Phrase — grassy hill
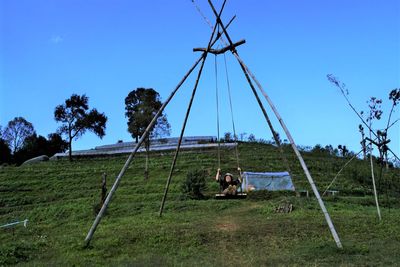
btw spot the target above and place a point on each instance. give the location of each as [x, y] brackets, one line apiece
[59, 197]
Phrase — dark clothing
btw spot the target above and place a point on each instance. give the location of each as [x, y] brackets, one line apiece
[224, 184]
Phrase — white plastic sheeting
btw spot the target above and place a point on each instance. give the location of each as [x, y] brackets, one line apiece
[271, 181]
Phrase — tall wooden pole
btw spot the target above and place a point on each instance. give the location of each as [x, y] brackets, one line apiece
[210, 43]
[180, 141]
[300, 158]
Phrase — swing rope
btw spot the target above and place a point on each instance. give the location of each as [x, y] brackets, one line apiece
[232, 116]
[232, 119]
[217, 102]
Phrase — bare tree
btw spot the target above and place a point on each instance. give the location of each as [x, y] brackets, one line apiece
[16, 132]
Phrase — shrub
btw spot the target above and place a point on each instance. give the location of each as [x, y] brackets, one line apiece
[194, 184]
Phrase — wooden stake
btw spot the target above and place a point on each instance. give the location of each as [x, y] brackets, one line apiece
[103, 188]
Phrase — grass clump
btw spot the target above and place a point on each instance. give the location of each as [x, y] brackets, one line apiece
[195, 184]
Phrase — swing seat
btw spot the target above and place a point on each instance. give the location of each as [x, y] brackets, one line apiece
[237, 196]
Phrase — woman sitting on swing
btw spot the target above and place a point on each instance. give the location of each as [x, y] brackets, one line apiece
[229, 185]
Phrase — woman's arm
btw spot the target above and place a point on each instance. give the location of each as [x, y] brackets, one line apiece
[217, 175]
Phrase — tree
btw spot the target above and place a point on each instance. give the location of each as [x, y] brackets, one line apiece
[141, 105]
[252, 138]
[76, 119]
[343, 150]
[228, 137]
[243, 136]
[5, 152]
[318, 149]
[16, 132]
[55, 144]
[35, 145]
[330, 150]
[363, 141]
[278, 137]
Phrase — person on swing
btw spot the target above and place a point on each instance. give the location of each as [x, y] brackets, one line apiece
[229, 185]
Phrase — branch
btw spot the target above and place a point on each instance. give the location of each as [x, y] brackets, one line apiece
[394, 154]
[340, 85]
[390, 116]
[392, 124]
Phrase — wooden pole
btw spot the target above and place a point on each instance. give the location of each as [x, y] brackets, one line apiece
[210, 43]
[180, 140]
[373, 180]
[340, 171]
[103, 188]
[220, 51]
[300, 158]
[131, 156]
[271, 127]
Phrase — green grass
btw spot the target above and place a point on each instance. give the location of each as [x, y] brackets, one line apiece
[58, 198]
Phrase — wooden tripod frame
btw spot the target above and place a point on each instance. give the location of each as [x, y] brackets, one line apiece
[250, 78]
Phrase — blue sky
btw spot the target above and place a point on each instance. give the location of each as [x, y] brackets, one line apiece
[52, 49]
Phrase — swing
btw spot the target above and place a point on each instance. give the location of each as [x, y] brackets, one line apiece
[231, 189]
[249, 181]
[250, 78]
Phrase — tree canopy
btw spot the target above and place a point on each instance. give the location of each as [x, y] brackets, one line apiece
[76, 119]
[141, 105]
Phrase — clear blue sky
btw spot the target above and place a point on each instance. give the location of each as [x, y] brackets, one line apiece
[52, 49]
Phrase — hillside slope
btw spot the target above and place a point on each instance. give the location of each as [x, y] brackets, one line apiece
[59, 197]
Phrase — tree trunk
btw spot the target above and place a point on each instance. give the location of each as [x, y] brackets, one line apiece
[386, 160]
[363, 144]
[70, 146]
[70, 151]
[146, 166]
[103, 188]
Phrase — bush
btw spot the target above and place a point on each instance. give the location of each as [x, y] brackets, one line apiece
[194, 184]
[5, 152]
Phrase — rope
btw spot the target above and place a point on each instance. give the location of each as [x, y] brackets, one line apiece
[217, 102]
[202, 14]
[231, 108]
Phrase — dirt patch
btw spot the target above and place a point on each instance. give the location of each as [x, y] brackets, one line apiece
[227, 226]
[230, 222]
